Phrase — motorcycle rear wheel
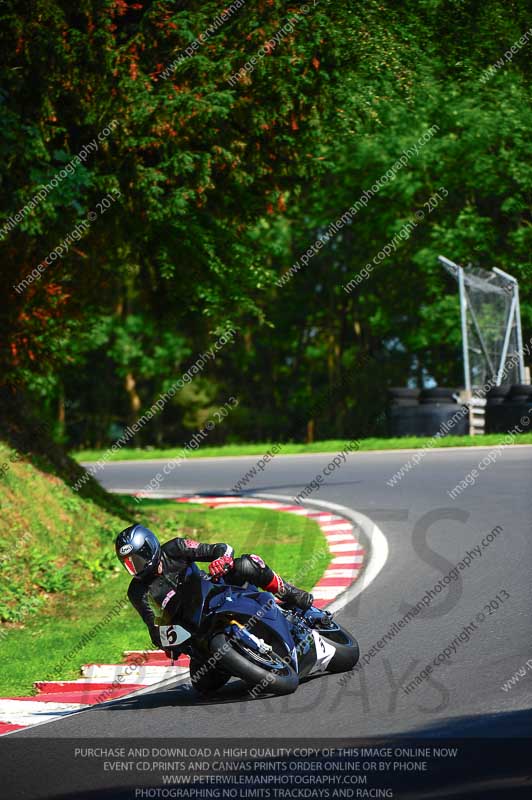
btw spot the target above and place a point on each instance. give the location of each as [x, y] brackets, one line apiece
[346, 647]
[262, 674]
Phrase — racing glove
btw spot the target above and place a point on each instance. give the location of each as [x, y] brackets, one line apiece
[220, 565]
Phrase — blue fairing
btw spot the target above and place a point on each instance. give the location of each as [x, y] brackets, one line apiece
[240, 603]
[202, 589]
[251, 602]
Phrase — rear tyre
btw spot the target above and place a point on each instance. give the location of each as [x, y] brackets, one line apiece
[263, 674]
[205, 679]
[346, 646]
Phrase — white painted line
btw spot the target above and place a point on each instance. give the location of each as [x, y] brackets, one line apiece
[326, 592]
[339, 526]
[168, 495]
[349, 547]
[26, 712]
[355, 559]
[271, 506]
[294, 456]
[341, 573]
[339, 537]
[86, 709]
[82, 683]
[228, 499]
[377, 555]
[141, 674]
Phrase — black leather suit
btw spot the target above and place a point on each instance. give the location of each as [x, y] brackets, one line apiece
[159, 595]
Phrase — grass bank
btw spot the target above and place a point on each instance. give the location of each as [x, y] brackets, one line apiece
[292, 448]
[60, 578]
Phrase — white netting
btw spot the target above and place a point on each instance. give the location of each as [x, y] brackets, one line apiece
[491, 325]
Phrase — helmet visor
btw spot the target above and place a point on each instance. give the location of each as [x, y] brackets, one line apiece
[135, 563]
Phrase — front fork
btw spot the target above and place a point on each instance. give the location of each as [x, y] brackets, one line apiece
[237, 630]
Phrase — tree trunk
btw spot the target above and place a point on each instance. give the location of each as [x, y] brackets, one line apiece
[134, 400]
[61, 412]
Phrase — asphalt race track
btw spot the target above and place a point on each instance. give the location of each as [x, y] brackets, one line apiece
[428, 534]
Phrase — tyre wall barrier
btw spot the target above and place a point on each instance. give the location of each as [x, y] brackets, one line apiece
[401, 396]
[428, 420]
[508, 416]
[440, 394]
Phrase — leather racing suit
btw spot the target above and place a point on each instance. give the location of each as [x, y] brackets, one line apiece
[160, 594]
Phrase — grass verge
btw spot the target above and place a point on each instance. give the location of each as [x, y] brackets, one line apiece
[292, 448]
[60, 577]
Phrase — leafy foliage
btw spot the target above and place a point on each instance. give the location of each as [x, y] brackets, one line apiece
[224, 185]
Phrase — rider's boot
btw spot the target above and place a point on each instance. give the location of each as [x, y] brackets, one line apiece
[289, 594]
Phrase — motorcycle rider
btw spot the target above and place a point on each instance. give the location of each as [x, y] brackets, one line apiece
[156, 586]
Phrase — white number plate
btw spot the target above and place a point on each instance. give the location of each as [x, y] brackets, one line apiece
[324, 653]
[172, 635]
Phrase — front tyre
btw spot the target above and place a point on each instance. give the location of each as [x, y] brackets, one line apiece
[206, 679]
[263, 673]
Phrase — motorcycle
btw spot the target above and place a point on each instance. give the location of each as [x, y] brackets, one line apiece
[231, 631]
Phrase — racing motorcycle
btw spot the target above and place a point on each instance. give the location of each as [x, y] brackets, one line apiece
[231, 631]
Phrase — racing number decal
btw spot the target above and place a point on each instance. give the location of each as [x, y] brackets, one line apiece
[324, 652]
[173, 634]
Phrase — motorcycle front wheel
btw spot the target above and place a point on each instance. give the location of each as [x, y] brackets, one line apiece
[206, 679]
[263, 673]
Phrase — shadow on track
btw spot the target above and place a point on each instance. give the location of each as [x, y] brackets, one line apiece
[184, 695]
[486, 763]
[499, 725]
[255, 489]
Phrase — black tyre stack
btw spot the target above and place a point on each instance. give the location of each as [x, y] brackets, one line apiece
[509, 408]
[401, 396]
[426, 413]
[440, 395]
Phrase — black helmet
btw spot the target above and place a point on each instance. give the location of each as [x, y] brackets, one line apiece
[139, 550]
